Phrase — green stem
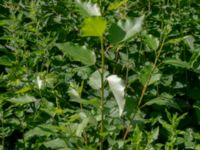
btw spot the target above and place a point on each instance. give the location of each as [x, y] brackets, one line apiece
[102, 91]
[2, 125]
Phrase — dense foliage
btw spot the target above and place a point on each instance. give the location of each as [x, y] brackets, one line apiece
[99, 74]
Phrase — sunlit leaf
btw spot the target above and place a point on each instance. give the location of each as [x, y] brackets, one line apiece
[93, 26]
[117, 4]
[117, 87]
[78, 53]
[137, 135]
[39, 82]
[88, 9]
[23, 90]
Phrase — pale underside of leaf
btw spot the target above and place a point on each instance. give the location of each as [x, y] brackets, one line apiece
[117, 87]
[88, 9]
[123, 31]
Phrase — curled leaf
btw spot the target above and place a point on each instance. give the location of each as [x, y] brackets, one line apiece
[88, 9]
[117, 87]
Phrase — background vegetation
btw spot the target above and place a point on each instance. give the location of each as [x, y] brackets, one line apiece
[99, 74]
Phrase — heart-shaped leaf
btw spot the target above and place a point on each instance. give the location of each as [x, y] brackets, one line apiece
[93, 26]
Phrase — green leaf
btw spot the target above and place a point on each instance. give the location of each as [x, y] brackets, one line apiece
[78, 53]
[137, 136]
[88, 9]
[146, 72]
[125, 30]
[151, 41]
[95, 79]
[41, 130]
[131, 27]
[116, 34]
[6, 61]
[130, 106]
[177, 63]
[55, 144]
[82, 126]
[117, 87]
[93, 26]
[23, 99]
[23, 90]
[163, 100]
[117, 4]
[189, 40]
[174, 40]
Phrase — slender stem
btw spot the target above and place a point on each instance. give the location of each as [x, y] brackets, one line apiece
[3, 137]
[149, 6]
[102, 91]
[150, 74]
[146, 84]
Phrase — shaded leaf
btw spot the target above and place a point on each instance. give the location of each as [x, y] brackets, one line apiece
[163, 100]
[23, 99]
[93, 26]
[41, 130]
[116, 34]
[146, 72]
[78, 53]
[177, 63]
[6, 61]
[125, 30]
[189, 40]
[151, 42]
[55, 144]
[117, 87]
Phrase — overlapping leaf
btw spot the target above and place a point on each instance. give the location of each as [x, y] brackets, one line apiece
[78, 53]
[125, 30]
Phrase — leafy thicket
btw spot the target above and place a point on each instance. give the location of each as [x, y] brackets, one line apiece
[99, 74]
